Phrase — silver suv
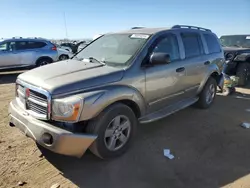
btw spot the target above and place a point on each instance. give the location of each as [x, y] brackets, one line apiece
[119, 80]
[26, 52]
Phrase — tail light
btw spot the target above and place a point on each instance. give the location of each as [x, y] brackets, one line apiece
[54, 48]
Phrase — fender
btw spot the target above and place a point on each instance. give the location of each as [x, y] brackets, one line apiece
[96, 101]
[214, 71]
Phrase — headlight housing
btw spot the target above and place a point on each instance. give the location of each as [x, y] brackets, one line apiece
[67, 109]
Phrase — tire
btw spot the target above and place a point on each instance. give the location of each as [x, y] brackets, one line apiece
[243, 73]
[106, 120]
[63, 57]
[43, 61]
[207, 95]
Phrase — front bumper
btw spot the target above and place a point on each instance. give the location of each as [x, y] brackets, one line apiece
[63, 141]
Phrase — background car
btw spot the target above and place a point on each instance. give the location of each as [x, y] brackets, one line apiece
[237, 53]
[63, 53]
[65, 48]
[26, 52]
[74, 46]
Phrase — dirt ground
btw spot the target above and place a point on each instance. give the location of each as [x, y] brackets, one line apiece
[211, 149]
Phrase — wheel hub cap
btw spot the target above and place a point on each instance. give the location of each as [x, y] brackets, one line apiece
[117, 133]
[210, 94]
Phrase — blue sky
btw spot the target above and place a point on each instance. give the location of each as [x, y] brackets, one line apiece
[85, 18]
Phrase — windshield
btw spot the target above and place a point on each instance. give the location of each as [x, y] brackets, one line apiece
[238, 41]
[114, 49]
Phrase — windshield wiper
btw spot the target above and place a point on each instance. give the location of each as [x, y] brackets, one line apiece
[91, 59]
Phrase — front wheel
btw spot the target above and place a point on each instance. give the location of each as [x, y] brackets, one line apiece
[208, 94]
[115, 129]
[43, 61]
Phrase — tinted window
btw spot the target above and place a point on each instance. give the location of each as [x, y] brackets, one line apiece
[20, 45]
[32, 45]
[192, 44]
[212, 43]
[168, 45]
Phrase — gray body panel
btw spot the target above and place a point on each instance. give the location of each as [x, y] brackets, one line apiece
[155, 91]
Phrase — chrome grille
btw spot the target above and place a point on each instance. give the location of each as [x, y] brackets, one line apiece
[34, 102]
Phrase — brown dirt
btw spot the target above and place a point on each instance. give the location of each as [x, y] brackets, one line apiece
[210, 148]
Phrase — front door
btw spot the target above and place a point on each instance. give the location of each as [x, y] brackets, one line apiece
[8, 57]
[164, 83]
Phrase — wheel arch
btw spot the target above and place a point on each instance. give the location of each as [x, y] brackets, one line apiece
[95, 102]
[214, 74]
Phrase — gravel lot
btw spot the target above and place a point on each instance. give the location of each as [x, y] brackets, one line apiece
[210, 149]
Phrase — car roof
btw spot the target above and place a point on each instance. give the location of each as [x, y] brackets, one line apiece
[151, 31]
[26, 39]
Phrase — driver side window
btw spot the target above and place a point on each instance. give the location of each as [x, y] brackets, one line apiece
[169, 45]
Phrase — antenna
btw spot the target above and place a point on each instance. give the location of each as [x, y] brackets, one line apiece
[65, 25]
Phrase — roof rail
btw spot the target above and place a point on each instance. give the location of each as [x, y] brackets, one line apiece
[137, 27]
[190, 27]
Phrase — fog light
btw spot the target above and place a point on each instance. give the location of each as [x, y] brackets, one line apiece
[47, 138]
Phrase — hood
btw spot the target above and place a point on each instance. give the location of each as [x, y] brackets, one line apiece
[71, 75]
[235, 49]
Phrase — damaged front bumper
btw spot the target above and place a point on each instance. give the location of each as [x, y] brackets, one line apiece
[51, 137]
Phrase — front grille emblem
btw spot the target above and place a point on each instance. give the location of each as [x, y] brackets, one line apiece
[27, 92]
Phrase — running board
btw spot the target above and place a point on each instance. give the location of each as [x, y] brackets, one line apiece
[167, 111]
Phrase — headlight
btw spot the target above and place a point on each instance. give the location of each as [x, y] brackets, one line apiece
[67, 109]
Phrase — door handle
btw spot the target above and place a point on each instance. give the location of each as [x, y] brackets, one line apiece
[207, 63]
[181, 69]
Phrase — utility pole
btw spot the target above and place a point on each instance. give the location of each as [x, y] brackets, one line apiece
[65, 25]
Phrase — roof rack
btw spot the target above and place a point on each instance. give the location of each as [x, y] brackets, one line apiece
[190, 27]
[137, 27]
[17, 37]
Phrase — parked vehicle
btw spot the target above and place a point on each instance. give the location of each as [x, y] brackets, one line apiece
[26, 52]
[237, 54]
[97, 99]
[73, 46]
[63, 54]
[65, 48]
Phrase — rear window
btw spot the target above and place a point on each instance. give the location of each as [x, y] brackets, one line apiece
[32, 45]
[192, 44]
[212, 43]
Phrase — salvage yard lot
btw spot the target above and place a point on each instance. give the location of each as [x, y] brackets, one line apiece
[210, 149]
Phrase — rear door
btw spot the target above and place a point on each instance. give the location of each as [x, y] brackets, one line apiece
[195, 59]
[27, 51]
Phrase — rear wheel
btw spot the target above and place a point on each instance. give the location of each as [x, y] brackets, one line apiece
[63, 57]
[207, 95]
[115, 128]
[243, 73]
[43, 61]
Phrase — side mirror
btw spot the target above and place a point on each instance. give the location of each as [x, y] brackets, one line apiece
[159, 59]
